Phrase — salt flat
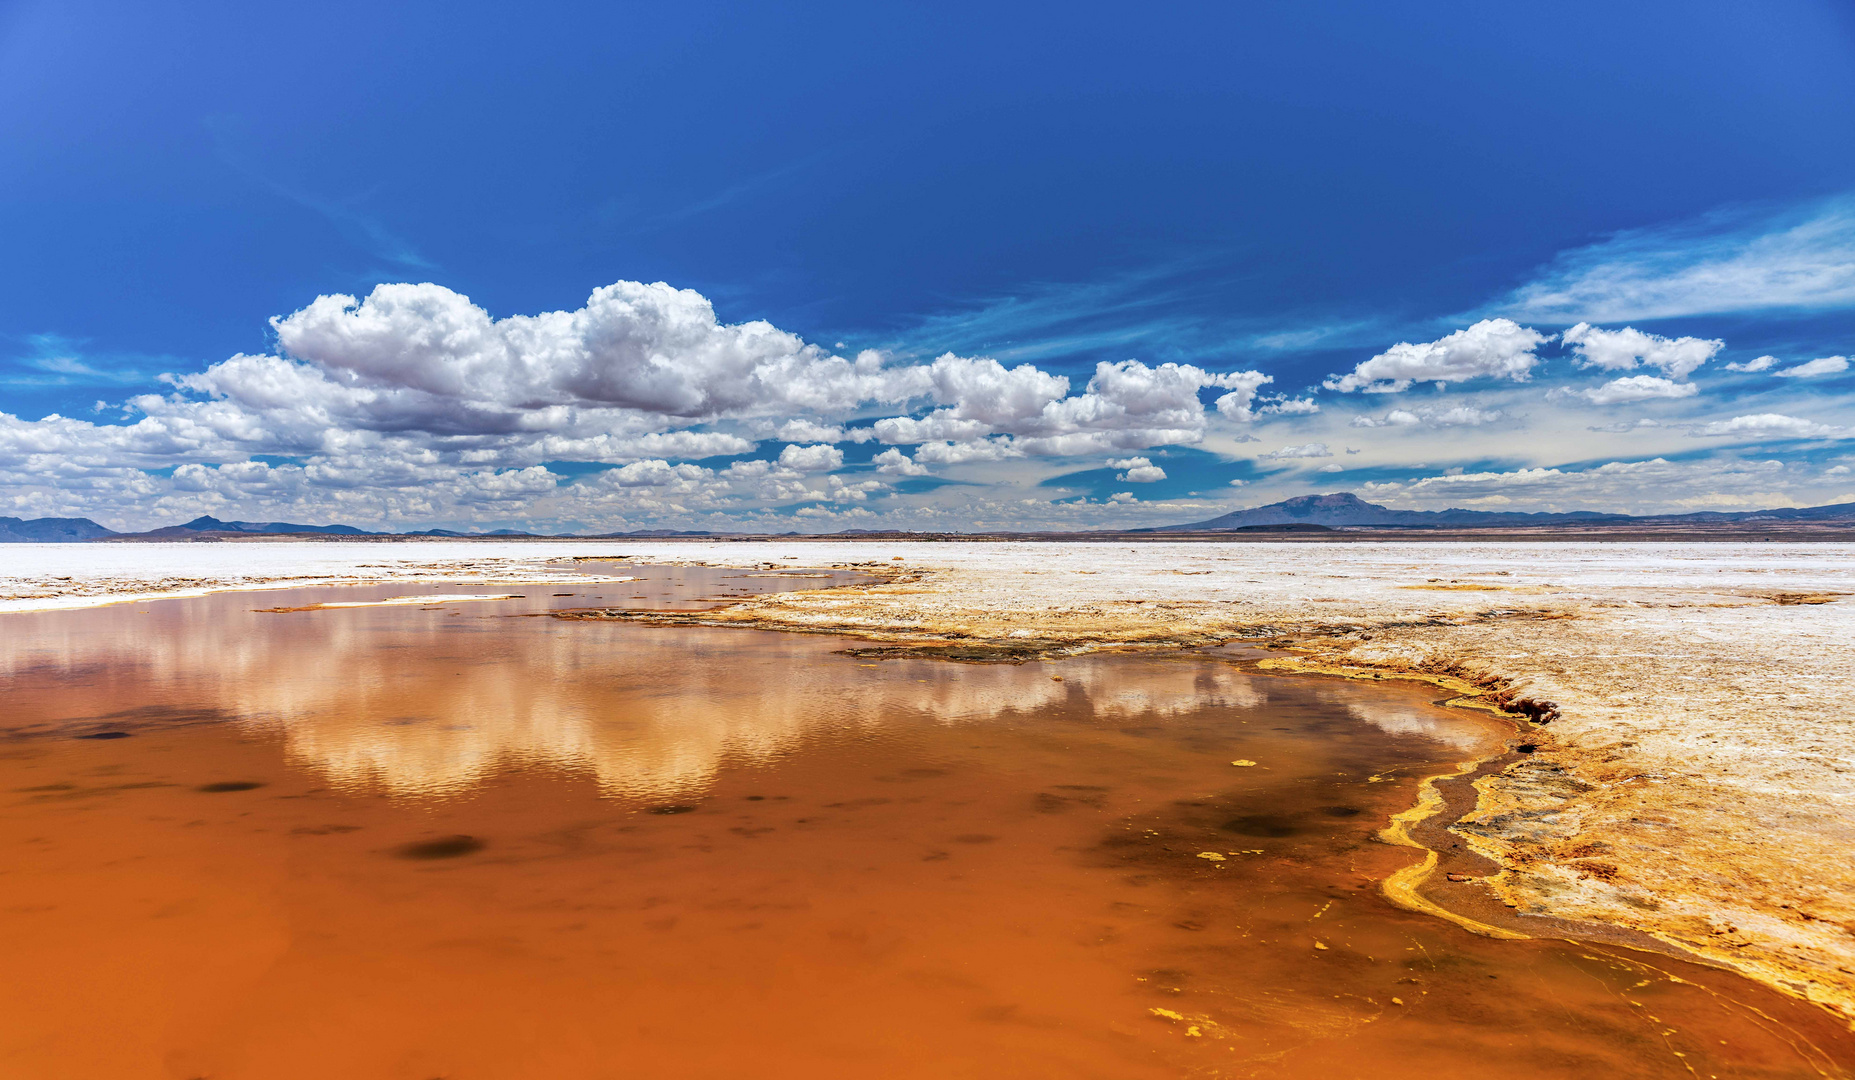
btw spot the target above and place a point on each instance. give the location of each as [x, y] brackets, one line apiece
[1698, 784]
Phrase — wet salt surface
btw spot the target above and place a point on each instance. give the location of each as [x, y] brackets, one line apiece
[454, 841]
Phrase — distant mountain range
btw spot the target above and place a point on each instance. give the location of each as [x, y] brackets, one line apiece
[210, 527]
[1343, 509]
[1304, 513]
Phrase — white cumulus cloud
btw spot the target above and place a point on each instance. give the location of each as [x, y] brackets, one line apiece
[1759, 425]
[653, 474]
[1492, 348]
[414, 404]
[1138, 470]
[1621, 350]
[1289, 407]
[1125, 406]
[820, 458]
[893, 462]
[1637, 388]
[961, 453]
[802, 430]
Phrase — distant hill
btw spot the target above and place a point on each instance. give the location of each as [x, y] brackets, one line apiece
[213, 524]
[50, 530]
[1834, 512]
[1342, 509]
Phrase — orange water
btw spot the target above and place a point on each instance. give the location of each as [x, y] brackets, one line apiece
[456, 842]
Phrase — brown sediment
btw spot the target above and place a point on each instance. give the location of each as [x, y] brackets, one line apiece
[481, 846]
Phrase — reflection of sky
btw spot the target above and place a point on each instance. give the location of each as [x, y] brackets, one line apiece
[1403, 718]
[429, 703]
[652, 719]
[432, 703]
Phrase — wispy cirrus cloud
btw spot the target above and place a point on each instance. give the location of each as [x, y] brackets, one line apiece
[364, 231]
[745, 190]
[1155, 311]
[1045, 319]
[1727, 261]
[56, 360]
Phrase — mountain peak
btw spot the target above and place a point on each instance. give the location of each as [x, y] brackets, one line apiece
[1333, 502]
[1332, 509]
[206, 523]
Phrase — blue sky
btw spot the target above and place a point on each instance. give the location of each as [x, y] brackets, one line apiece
[837, 195]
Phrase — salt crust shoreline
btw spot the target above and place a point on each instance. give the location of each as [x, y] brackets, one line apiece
[1698, 784]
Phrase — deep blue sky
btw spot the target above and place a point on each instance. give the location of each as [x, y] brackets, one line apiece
[1059, 183]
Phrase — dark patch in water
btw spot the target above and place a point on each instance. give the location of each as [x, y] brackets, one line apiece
[229, 785]
[855, 804]
[445, 847]
[1341, 811]
[679, 809]
[1261, 825]
[112, 725]
[975, 838]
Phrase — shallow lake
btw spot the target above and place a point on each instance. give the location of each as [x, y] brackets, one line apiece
[453, 837]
